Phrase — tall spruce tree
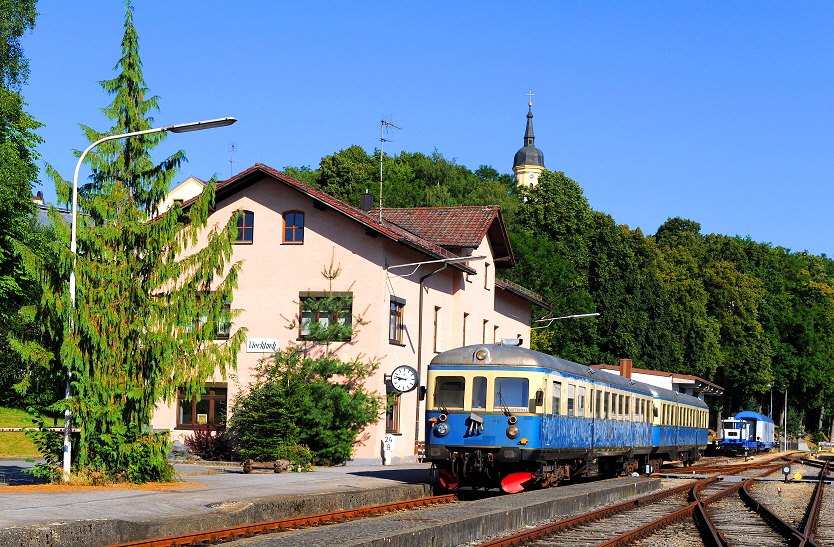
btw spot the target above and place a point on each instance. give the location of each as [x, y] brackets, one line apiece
[150, 298]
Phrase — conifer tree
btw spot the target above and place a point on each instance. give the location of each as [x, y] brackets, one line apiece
[150, 300]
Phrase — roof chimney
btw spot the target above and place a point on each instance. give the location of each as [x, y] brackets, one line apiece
[625, 368]
[367, 201]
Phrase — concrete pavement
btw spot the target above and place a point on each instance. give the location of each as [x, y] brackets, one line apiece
[208, 497]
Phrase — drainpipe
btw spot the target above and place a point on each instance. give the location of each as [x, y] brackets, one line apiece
[420, 350]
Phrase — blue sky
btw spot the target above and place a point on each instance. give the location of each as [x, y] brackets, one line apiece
[720, 112]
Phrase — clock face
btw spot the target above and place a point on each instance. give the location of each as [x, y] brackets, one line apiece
[532, 176]
[404, 378]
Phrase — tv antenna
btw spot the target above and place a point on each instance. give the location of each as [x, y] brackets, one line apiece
[232, 148]
[384, 125]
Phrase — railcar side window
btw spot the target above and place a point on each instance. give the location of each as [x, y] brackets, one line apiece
[512, 392]
[627, 407]
[599, 405]
[479, 387]
[620, 407]
[605, 406]
[557, 397]
[448, 391]
[571, 398]
[580, 402]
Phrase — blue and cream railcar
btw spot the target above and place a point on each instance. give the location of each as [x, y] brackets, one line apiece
[747, 432]
[512, 417]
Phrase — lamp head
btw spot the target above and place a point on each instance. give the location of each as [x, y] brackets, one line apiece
[196, 126]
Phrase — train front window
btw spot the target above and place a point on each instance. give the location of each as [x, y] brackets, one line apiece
[512, 392]
[479, 387]
[448, 392]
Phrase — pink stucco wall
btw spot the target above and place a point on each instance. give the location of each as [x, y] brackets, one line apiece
[273, 274]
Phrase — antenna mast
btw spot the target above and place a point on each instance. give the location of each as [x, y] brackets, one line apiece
[232, 148]
[382, 140]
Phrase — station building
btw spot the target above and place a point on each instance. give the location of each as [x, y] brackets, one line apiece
[289, 232]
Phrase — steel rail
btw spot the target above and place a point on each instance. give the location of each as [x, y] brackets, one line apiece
[692, 509]
[809, 523]
[521, 538]
[247, 530]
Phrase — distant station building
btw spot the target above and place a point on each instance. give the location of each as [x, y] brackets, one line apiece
[528, 163]
[682, 383]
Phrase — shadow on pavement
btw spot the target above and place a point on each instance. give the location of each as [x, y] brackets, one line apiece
[12, 473]
[410, 476]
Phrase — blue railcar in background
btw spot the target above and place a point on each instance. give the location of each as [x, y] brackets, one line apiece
[747, 432]
[509, 417]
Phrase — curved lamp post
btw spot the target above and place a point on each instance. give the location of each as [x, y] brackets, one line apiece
[177, 128]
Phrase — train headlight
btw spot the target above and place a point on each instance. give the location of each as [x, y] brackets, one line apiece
[442, 417]
[441, 429]
[512, 431]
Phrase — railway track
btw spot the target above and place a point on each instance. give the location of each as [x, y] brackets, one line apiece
[212, 537]
[663, 519]
[715, 513]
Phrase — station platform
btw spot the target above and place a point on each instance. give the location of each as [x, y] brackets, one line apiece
[211, 496]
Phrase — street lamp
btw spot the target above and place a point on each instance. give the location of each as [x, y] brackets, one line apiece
[177, 128]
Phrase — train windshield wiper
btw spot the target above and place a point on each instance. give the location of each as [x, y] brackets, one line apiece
[504, 405]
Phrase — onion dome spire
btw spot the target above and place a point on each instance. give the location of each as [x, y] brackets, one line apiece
[529, 154]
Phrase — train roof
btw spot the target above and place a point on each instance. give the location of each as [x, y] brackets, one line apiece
[754, 415]
[499, 355]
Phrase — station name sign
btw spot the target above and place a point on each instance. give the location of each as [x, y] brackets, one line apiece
[262, 345]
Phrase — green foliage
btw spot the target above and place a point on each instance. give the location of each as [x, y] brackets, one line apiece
[301, 400]
[127, 454]
[299, 455]
[18, 176]
[795, 427]
[133, 338]
[18, 17]
[50, 447]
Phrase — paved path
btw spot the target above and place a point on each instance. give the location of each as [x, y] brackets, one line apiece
[204, 489]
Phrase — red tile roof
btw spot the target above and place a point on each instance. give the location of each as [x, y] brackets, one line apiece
[455, 227]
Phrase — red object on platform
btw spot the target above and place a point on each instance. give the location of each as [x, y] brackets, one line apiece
[516, 482]
[448, 480]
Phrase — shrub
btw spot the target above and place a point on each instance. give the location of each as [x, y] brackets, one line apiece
[299, 455]
[212, 444]
[298, 400]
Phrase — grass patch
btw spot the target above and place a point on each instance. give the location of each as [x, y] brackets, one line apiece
[14, 417]
[16, 444]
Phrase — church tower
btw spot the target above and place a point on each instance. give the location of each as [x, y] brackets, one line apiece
[528, 163]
